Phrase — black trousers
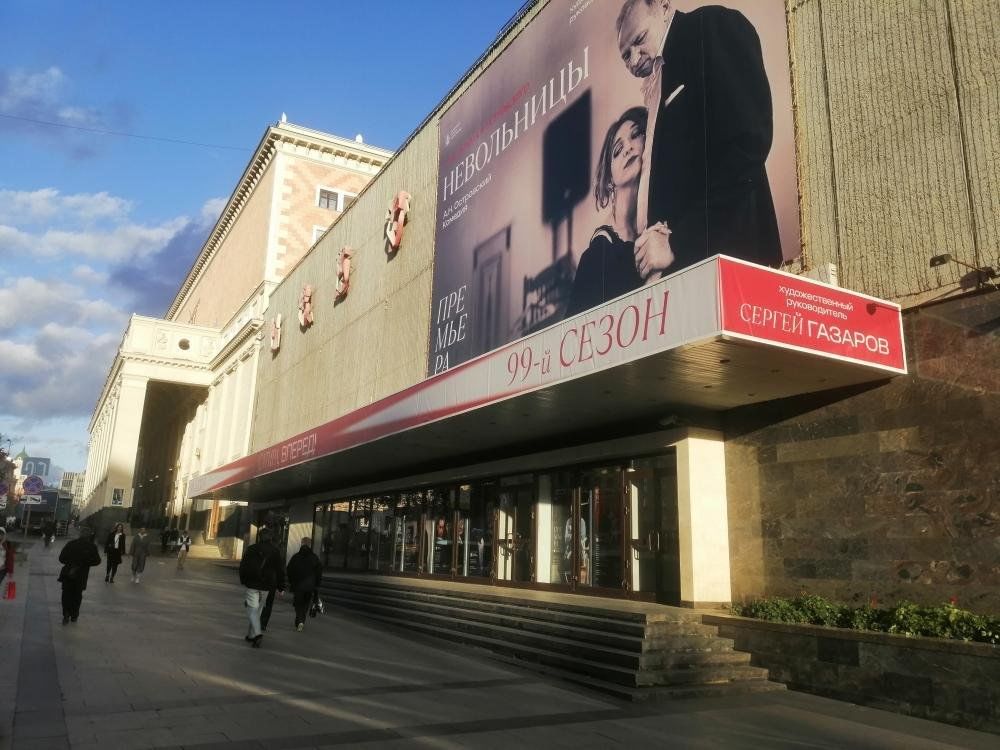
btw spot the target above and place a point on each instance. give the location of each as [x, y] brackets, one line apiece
[72, 597]
[112, 568]
[301, 600]
[265, 615]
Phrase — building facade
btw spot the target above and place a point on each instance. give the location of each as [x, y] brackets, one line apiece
[419, 428]
[179, 395]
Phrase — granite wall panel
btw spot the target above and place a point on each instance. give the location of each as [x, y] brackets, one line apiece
[889, 493]
[933, 678]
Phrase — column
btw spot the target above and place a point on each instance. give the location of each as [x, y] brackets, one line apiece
[703, 521]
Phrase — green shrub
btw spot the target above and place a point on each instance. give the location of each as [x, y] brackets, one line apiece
[944, 621]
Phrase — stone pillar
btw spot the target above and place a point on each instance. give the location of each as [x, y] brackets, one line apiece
[703, 521]
[125, 439]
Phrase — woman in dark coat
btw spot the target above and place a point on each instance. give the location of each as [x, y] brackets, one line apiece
[77, 557]
[608, 266]
[114, 548]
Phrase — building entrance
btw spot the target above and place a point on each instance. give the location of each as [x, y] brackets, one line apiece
[610, 528]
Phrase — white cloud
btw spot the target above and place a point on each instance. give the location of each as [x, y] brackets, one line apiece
[13, 241]
[39, 95]
[93, 206]
[90, 276]
[26, 88]
[23, 207]
[20, 359]
[27, 302]
[60, 374]
[211, 210]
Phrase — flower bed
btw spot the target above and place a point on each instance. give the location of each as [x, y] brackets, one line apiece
[944, 621]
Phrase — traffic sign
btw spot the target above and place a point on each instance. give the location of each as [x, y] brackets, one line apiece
[34, 484]
[31, 499]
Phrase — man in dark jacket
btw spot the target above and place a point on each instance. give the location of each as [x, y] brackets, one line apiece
[261, 570]
[704, 188]
[77, 557]
[304, 574]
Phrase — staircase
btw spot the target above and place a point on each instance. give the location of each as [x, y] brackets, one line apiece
[206, 551]
[633, 650]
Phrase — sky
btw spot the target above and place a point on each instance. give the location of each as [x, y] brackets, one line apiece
[96, 226]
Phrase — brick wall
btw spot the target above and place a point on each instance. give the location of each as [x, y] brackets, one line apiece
[299, 212]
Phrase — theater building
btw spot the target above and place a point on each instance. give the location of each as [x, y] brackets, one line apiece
[802, 396]
[179, 396]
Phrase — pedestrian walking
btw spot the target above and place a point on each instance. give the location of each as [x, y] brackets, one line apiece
[260, 571]
[139, 552]
[305, 571]
[114, 548]
[183, 547]
[49, 532]
[77, 557]
[6, 556]
[265, 613]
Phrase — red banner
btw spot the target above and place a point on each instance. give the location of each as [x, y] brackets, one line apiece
[797, 312]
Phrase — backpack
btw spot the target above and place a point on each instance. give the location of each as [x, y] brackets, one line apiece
[252, 566]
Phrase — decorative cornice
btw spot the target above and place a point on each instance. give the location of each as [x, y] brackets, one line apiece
[247, 331]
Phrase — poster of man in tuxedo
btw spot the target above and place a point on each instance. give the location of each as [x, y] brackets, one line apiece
[609, 145]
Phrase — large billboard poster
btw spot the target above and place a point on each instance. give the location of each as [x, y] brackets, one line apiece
[612, 143]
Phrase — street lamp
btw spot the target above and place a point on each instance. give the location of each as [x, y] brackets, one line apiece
[984, 274]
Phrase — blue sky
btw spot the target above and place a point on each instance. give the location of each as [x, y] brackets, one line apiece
[94, 227]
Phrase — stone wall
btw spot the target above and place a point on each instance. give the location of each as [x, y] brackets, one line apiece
[888, 492]
[897, 130]
[933, 678]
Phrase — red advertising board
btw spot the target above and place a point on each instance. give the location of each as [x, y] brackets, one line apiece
[796, 312]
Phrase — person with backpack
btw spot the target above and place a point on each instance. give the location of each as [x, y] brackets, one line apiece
[261, 570]
[304, 574]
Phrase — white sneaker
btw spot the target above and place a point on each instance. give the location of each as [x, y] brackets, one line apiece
[299, 627]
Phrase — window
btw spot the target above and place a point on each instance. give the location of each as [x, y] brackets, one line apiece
[328, 199]
[333, 200]
[317, 233]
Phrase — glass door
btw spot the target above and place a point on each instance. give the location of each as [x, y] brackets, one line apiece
[408, 522]
[587, 528]
[601, 523]
[654, 548]
[515, 522]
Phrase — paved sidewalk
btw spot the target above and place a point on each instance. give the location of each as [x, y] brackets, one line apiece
[163, 664]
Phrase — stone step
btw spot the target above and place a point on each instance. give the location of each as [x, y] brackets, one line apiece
[576, 664]
[443, 623]
[649, 695]
[707, 674]
[204, 552]
[573, 662]
[681, 637]
[605, 620]
[479, 594]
